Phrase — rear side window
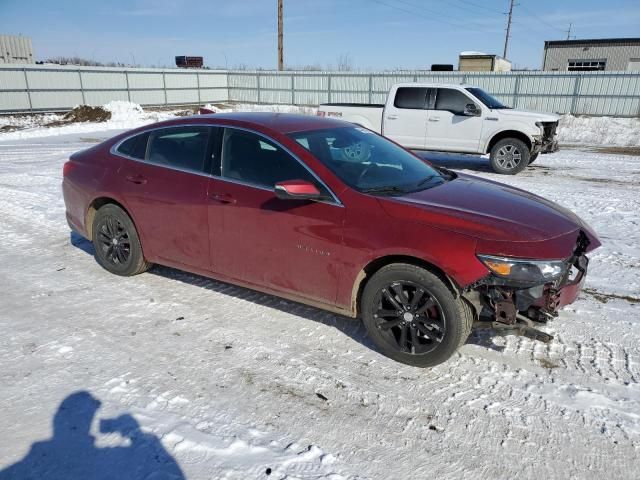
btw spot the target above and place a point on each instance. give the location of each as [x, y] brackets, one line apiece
[179, 147]
[451, 100]
[411, 97]
[135, 147]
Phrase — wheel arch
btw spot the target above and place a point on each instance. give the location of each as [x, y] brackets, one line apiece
[378, 263]
[94, 206]
[509, 134]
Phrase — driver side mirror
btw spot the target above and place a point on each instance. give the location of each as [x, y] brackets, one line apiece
[297, 190]
[471, 110]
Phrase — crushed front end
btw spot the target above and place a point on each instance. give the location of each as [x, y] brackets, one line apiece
[520, 294]
[547, 141]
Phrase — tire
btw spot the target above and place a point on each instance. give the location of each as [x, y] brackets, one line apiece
[509, 156]
[435, 324]
[116, 242]
[532, 158]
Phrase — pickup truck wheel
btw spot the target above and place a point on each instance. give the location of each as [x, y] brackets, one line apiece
[509, 156]
[413, 317]
[533, 157]
[116, 242]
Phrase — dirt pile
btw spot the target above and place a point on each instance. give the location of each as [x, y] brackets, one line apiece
[82, 113]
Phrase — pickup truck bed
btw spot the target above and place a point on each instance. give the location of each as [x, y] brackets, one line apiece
[368, 115]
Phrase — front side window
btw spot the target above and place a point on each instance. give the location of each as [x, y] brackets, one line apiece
[253, 159]
[134, 147]
[369, 162]
[451, 100]
[179, 147]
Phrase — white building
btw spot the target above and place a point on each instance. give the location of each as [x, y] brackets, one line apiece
[15, 49]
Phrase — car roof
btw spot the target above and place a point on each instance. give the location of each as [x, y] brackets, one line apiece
[280, 122]
[435, 85]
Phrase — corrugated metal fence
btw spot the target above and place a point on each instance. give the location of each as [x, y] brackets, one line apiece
[39, 88]
[52, 88]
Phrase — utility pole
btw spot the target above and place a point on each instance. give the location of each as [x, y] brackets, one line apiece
[280, 38]
[569, 33]
[506, 38]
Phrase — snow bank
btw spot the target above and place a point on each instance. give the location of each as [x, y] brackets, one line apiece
[247, 107]
[124, 116]
[622, 132]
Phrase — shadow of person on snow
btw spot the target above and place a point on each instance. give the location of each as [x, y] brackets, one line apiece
[71, 453]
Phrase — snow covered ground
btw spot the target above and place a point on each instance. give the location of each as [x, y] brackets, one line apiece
[230, 383]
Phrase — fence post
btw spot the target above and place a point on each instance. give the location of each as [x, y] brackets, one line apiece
[576, 91]
[126, 78]
[26, 83]
[516, 91]
[258, 87]
[164, 88]
[370, 88]
[328, 88]
[198, 84]
[84, 101]
[293, 89]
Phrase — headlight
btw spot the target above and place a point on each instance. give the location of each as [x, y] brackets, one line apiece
[524, 271]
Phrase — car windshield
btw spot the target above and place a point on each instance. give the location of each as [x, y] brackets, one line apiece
[488, 100]
[369, 162]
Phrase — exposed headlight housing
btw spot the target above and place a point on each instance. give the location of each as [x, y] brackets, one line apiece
[524, 271]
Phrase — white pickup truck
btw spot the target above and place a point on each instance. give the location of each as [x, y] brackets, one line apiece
[455, 118]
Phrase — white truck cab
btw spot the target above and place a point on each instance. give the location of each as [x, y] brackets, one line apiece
[455, 118]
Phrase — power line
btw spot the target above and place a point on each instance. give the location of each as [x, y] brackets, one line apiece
[541, 20]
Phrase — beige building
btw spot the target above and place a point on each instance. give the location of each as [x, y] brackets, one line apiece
[15, 49]
[607, 54]
[482, 62]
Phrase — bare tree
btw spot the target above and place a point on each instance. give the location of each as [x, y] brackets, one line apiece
[345, 62]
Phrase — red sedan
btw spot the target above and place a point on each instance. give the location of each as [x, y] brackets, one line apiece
[333, 215]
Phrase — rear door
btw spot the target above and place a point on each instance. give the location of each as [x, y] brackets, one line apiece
[448, 128]
[164, 184]
[405, 120]
[288, 245]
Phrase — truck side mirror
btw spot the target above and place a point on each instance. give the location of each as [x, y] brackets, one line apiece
[471, 110]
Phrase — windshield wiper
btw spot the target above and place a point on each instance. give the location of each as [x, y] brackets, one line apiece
[427, 179]
[383, 190]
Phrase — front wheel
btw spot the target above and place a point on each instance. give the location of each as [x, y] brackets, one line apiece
[413, 317]
[509, 156]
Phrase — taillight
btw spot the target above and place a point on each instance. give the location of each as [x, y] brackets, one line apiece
[66, 169]
[321, 114]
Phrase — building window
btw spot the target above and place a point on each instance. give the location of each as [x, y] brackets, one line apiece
[586, 65]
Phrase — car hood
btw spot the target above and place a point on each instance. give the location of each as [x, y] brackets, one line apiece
[537, 116]
[485, 210]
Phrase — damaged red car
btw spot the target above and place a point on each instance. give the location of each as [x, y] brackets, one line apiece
[330, 214]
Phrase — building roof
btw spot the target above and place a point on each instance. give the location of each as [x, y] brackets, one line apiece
[590, 41]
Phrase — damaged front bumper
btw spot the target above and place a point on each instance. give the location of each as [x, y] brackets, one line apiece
[547, 142]
[515, 309]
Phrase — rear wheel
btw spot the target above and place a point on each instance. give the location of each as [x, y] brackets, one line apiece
[509, 156]
[413, 317]
[116, 242]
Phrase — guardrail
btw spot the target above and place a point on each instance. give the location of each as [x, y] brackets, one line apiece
[26, 88]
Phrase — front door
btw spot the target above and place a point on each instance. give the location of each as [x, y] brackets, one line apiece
[165, 189]
[288, 245]
[448, 129]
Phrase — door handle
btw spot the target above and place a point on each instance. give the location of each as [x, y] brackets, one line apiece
[137, 179]
[392, 117]
[434, 119]
[224, 198]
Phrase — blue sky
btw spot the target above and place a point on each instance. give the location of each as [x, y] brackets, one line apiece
[376, 34]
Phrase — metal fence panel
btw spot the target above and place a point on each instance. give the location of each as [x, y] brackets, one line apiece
[47, 87]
